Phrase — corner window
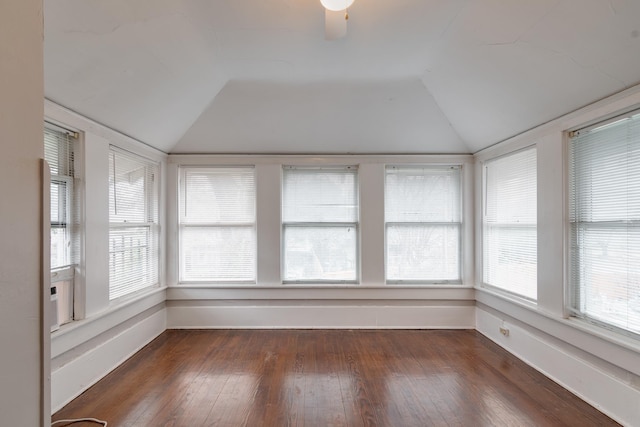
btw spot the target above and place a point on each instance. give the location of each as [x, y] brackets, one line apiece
[133, 223]
[509, 226]
[422, 224]
[320, 225]
[217, 224]
[604, 215]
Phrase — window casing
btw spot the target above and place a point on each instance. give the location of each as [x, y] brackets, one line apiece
[320, 224]
[423, 223]
[133, 223]
[217, 224]
[509, 227]
[604, 223]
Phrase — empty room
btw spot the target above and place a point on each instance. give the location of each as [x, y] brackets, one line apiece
[320, 213]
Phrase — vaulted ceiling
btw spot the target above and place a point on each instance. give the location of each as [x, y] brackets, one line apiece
[411, 76]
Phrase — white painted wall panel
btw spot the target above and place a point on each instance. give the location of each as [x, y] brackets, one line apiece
[24, 398]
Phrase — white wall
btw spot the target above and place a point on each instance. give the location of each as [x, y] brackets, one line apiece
[24, 400]
[601, 366]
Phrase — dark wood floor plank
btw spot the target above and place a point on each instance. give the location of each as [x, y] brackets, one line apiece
[313, 378]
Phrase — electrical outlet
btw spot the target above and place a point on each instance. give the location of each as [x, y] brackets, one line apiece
[504, 331]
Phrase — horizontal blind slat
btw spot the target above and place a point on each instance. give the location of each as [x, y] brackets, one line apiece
[509, 223]
[604, 210]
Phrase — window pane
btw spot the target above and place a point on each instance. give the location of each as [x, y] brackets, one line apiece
[609, 272]
[218, 195]
[423, 252]
[320, 253]
[510, 259]
[127, 189]
[218, 205]
[419, 201]
[509, 223]
[429, 194]
[59, 247]
[131, 261]
[218, 253]
[64, 207]
[313, 195]
[133, 217]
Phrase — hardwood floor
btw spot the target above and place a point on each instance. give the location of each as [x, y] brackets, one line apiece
[328, 378]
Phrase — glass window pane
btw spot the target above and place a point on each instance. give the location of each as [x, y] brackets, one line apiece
[423, 252]
[218, 253]
[320, 195]
[509, 228]
[320, 253]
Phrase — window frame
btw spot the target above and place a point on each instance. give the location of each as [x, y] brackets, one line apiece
[151, 225]
[320, 225]
[484, 226]
[181, 225]
[574, 288]
[63, 275]
[459, 224]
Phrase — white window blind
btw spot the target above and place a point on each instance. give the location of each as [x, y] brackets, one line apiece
[59, 153]
[604, 209]
[422, 224]
[133, 223]
[509, 228]
[320, 224]
[217, 224]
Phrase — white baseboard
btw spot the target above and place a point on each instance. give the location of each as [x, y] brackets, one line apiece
[73, 378]
[320, 316]
[609, 394]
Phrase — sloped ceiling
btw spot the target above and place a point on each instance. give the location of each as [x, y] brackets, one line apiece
[411, 76]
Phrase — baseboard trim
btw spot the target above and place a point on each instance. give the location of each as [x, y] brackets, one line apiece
[321, 316]
[73, 378]
[609, 394]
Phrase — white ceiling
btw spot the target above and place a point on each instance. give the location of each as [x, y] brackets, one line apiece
[411, 76]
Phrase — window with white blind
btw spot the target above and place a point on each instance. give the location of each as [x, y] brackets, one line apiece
[509, 228]
[133, 223]
[217, 224]
[320, 225]
[423, 224]
[604, 215]
[59, 152]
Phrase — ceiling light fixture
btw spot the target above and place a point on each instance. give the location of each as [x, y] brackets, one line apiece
[336, 5]
[335, 18]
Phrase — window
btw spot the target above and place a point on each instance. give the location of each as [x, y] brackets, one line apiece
[59, 152]
[133, 223]
[422, 224]
[217, 224]
[604, 214]
[320, 224]
[509, 228]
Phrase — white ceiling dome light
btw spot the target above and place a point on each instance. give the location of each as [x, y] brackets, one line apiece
[335, 18]
[336, 5]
